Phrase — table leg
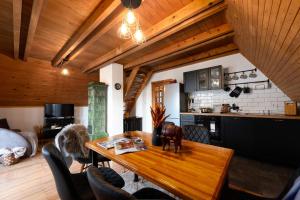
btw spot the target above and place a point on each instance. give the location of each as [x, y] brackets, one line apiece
[136, 178]
[95, 158]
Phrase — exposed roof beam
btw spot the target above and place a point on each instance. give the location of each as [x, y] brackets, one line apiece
[102, 11]
[197, 41]
[17, 12]
[175, 22]
[210, 54]
[130, 79]
[34, 18]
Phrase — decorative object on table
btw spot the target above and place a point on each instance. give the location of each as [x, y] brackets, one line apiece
[172, 133]
[127, 134]
[158, 118]
[236, 92]
[290, 108]
[118, 86]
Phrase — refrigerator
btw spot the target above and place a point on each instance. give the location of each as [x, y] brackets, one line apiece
[175, 101]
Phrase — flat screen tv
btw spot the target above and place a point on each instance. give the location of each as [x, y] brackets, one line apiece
[59, 110]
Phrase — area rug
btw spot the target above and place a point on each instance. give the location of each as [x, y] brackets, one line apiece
[131, 186]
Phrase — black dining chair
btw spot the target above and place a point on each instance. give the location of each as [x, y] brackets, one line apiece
[196, 133]
[75, 186]
[288, 193]
[87, 161]
[103, 190]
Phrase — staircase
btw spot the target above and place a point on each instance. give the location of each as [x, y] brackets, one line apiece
[135, 83]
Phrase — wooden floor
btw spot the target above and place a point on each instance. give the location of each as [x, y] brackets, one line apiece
[31, 179]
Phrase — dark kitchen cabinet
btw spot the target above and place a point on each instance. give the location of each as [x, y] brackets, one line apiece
[203, 79]
[272, 140]
[190, 81]
[215, 78]
[237, 133]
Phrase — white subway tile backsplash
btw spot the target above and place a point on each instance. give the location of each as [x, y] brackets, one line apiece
[258, 101]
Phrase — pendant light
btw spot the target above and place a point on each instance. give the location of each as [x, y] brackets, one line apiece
[130, 27]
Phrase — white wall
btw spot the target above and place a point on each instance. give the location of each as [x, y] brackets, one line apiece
[26, 118]
[111, 75]
[270, 99]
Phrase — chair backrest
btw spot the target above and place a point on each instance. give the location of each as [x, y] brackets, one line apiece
[61, 173]
[196, 133]
[104, 190]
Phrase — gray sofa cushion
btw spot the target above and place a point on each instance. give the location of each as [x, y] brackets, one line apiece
[10, 139]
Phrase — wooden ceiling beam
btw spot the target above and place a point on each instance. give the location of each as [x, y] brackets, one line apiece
[102, 11]
[130, 79]
[17, 13]
[202, 39]
[190, 14]
[207, 55]
[34, 18]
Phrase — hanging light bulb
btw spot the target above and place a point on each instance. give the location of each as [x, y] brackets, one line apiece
[138, 36]
[65, 72]
[130, 18]
[124, 31]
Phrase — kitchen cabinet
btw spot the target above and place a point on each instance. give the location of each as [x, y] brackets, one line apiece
[272, 140]
[215, 78]
[190, 81]
[203, 79]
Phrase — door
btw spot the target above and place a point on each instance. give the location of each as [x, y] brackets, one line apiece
[202, 81]
[172, 102]
[190, 81]
[216, 78]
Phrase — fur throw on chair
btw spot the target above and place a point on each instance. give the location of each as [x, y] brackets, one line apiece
[70, 141]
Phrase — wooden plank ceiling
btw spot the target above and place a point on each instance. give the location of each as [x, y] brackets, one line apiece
[82, 34]
[267, 33]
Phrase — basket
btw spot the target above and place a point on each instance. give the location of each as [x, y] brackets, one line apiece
[8, 159]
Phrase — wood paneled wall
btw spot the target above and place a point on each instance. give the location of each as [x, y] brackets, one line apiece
[36, 82]
[267, 33]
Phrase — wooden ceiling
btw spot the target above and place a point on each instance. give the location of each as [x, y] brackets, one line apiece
[82, 34]
[267, 33]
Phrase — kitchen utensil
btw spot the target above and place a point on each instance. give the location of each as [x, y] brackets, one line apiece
[236, 92]
[227, 88]
[225, 108]
[253, 74]
[246, 90]
[290, 108]
[227, 77]
[243, 76]
[235, 77]
[206, 110]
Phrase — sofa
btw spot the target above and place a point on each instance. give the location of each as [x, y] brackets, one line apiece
[16, 138]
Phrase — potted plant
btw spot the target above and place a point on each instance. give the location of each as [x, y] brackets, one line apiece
[158, 118]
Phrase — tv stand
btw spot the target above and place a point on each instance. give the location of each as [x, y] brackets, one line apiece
[53, 125]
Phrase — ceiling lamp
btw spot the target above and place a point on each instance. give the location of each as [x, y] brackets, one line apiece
[130, 27]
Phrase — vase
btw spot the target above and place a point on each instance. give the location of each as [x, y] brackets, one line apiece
[156, 140]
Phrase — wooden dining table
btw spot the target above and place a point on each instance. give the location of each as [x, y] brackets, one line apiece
[197, 171]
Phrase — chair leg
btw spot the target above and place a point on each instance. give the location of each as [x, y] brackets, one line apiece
[108, 164]
[82, 168]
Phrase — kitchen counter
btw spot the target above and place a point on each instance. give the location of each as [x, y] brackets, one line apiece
[249, 115]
